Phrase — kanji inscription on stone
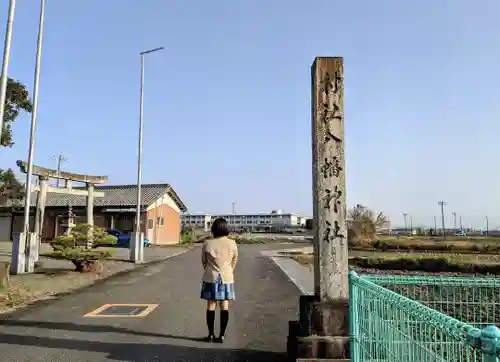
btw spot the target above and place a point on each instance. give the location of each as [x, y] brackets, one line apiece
[333, 196]
[331, 167]
[332, 232]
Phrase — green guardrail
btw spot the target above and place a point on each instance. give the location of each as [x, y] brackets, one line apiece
[417, 319]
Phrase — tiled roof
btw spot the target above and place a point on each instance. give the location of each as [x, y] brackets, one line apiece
[114, 196]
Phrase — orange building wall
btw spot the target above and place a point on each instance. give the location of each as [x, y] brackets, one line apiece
[169, 232]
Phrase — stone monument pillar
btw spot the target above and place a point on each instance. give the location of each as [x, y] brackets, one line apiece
[329, 182]
[71, 220]
[322, 330]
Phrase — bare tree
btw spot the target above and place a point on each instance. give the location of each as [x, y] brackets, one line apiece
[364, 223]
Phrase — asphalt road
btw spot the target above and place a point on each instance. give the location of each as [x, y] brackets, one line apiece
[59, 332]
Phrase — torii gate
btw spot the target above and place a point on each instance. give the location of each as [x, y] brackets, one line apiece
[23, 259]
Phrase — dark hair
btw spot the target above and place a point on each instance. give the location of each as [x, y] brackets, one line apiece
[219, 228]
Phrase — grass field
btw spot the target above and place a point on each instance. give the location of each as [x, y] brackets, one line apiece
[450, 244]
[457, 255]
[429, 260]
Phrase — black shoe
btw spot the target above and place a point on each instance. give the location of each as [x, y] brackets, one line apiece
[219, 339]
[209, 338]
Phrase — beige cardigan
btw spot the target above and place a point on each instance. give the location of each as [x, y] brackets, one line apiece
[219, 256]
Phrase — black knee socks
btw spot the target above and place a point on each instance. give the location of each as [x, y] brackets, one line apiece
[210, 321]
[224, 319]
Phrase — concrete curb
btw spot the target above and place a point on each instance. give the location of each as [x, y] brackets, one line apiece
[295, 272]
[16, 313]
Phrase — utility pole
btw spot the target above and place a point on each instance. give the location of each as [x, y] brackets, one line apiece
[461, 228]
[405, 215]
[60, 159]
[442, 204]
[454, 220]
[487, 226]
[234, 209]
[411, 225]
[435, 224]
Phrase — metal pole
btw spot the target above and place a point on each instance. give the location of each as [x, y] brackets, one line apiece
[140, 146]
[454, 220]
[487, 226]
[461, 227]
[6, 57]
[234, 210]
[406, 224]
[31, 152]
[411, 225]
[435, 224]
[139, 151]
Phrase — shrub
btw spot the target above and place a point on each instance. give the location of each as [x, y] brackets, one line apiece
[244, 240]
[78, 247]
[188, 236]
[105, 241]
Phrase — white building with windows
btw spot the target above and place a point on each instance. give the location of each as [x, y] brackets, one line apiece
[273, 221]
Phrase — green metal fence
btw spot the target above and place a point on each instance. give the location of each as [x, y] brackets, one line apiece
[415, 319]
[469, 299]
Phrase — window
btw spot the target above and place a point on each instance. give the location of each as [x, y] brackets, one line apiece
[150, 223]
[159, 221]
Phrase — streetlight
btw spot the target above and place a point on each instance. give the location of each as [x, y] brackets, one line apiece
[136, 254]
[6, 57]
[31, 253]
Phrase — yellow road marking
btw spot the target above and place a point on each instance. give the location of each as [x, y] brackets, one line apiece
[148, 308]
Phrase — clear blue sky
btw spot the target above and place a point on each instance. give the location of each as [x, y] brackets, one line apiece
[227, 107]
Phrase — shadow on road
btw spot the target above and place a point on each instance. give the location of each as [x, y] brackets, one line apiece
[89, 328]
[134, 352]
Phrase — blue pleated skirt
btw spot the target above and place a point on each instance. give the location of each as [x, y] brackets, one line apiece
[217, 291]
